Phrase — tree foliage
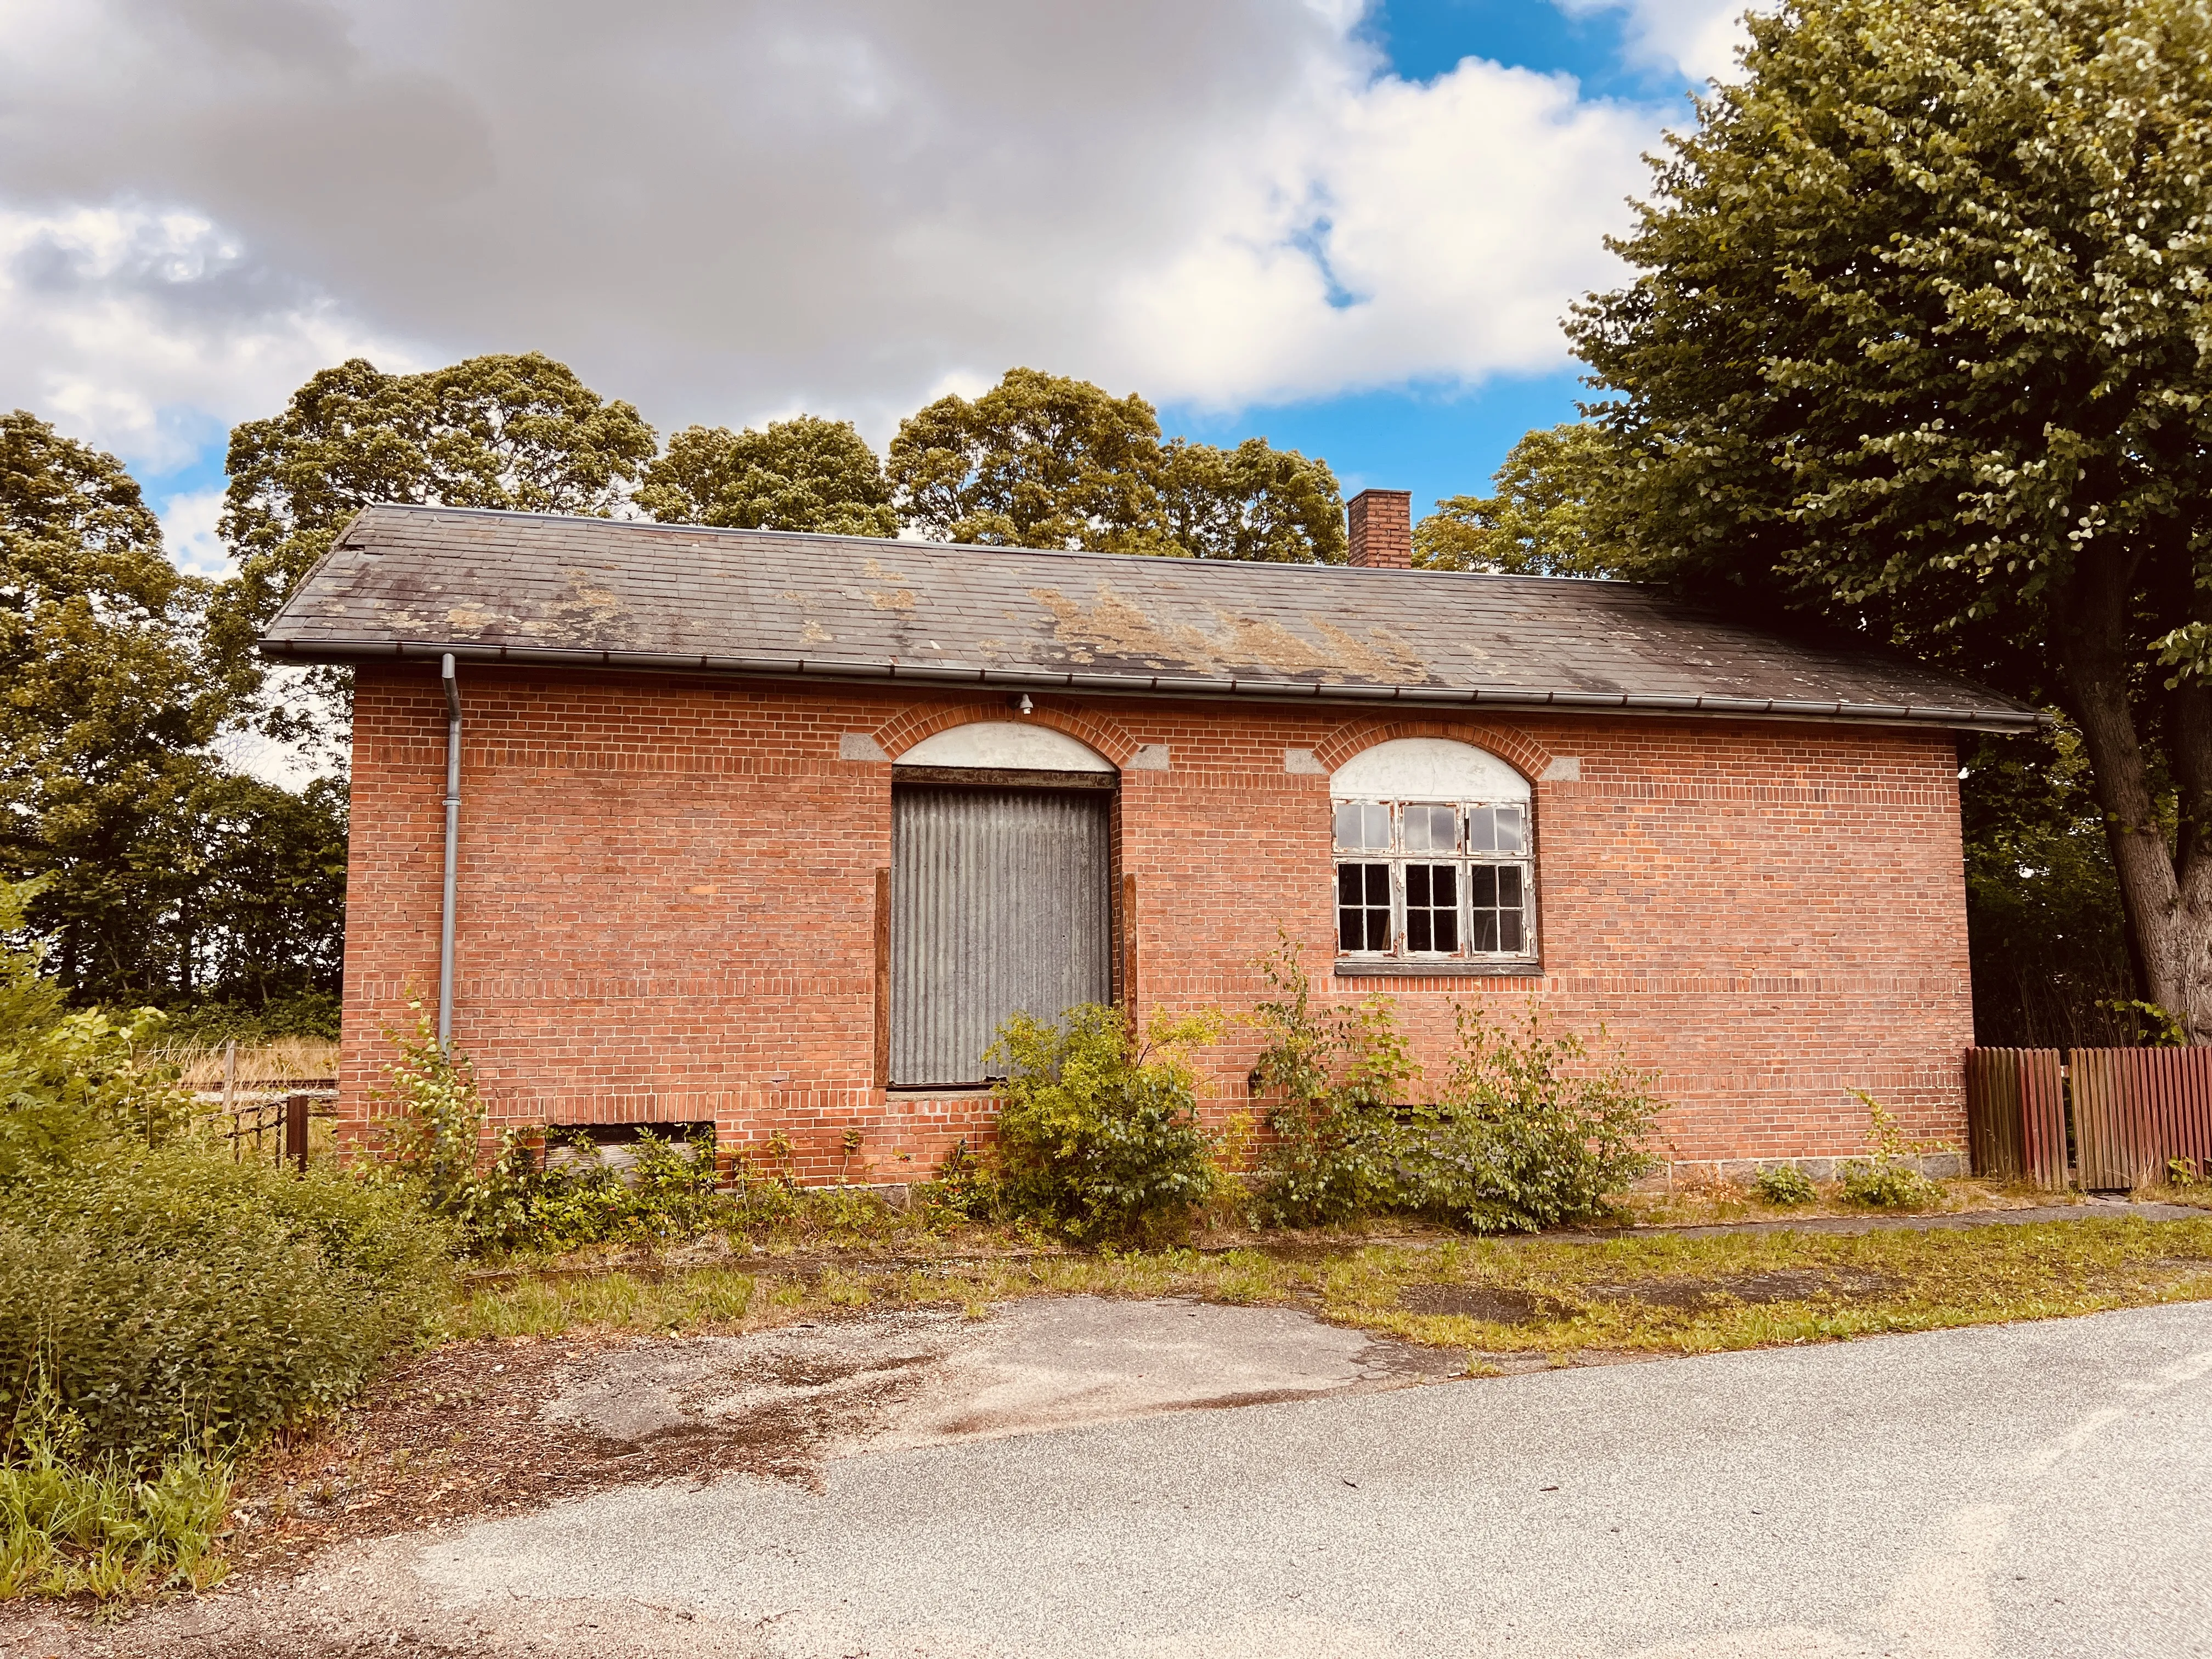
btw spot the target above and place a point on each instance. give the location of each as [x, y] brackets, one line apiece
[805, 473]
[1916, 344]
[1540, 522]
[517, 433]
[1252, 502]
[1041, 460]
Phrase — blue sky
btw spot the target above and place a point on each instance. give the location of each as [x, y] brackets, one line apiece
[1442, 441]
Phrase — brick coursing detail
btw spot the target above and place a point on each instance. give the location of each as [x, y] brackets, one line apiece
[667, 903]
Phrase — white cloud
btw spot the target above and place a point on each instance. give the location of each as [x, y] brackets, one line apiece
[1698, 37]
[727, 212]
[188, 522]
[140, 328]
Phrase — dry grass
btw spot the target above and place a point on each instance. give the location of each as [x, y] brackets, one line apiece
[281, 1060]
[1698, 1201]
[1650, 1293]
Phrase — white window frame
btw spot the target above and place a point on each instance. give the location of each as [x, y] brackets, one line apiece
[1462, 859]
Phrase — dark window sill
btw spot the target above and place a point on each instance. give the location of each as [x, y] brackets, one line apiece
[1415, 968]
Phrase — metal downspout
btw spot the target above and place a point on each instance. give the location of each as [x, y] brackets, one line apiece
[452, 849]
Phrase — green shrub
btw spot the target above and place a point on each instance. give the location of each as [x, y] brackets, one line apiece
[1785, 1185]
[668, 1192]
[1337, 1150]
[1528, 1134]
[1531, 1134]
[1891, 1178]
[174, 1299]
[71, 1082]
[433, 1134]
[1098, 1132]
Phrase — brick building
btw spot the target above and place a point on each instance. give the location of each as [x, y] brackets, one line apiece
[770, 830]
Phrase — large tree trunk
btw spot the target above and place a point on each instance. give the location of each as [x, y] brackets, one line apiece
[2164, 890]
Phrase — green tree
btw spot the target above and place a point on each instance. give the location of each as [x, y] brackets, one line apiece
[105, 704]
[805, 473]
[1916, 344]
[518, 432]
[1539, 523]
[1039, 460]
[1251, 502]
[2044, 922]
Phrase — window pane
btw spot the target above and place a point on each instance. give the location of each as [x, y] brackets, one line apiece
[1432, 828]
[1482, 931]
[1447, 930]
[1417, 885]
[1481, 830]
[1444, 885]
[1417, 929]
[1509, 885]
[1378, 884]
[1482, 886]
[1351, 930]
[1363, 826]
[1512, 829]
[1378, 930]
[1508, 930]
[1348, 883]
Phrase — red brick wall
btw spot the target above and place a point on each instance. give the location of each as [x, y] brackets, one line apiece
[667, 902]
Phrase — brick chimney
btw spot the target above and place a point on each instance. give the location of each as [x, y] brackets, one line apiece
[1382, 529]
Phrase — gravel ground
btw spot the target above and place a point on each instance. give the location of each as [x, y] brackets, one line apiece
[2028, 1489]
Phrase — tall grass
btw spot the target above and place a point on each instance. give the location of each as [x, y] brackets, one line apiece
[72, 1528]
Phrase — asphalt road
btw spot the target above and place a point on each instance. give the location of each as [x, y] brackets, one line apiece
[2029, 1490]
[2032, 1489]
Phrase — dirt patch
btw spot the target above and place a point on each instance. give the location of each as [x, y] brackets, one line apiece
[1493, 1303]
[465, 1433]
[1775, 1285]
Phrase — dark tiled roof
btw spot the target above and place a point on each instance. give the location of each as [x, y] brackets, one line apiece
[415, 581]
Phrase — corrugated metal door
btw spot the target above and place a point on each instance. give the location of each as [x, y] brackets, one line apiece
[999, 901]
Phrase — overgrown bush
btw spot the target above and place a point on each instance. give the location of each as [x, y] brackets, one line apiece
[1892, 1179]
[71, 1081]
[668, 1192]
[431, 1138]
[1099, 1130]
[1784, 1185]
[173, 1299]
[1336, 1078]
[1529, 1132]
[1532, 1132]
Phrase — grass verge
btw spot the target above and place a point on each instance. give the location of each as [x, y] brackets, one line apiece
[1635, 1294]
[98, 1531]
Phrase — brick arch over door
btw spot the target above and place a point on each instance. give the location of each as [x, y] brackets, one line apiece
[909, 726]
[1509, 744]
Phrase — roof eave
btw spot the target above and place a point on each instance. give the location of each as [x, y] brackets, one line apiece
[1990, 719]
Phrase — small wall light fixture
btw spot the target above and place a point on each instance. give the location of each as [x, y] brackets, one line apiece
[1022, 704]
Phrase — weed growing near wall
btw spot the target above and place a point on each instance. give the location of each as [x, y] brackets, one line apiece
[1337, 1076]
[1098, 1128]
[1532, 1131]
[433, 1131]
[1892, 1179]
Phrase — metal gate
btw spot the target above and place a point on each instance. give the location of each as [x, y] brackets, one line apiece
[1000, 900]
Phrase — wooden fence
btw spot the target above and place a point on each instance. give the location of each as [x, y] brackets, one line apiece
[2120, 1117]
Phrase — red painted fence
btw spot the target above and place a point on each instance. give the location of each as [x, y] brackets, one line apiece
[2126, 1114]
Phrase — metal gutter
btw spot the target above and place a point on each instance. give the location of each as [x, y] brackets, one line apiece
[1174, 685]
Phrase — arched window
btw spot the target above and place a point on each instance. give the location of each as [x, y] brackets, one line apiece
[1435, 853]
